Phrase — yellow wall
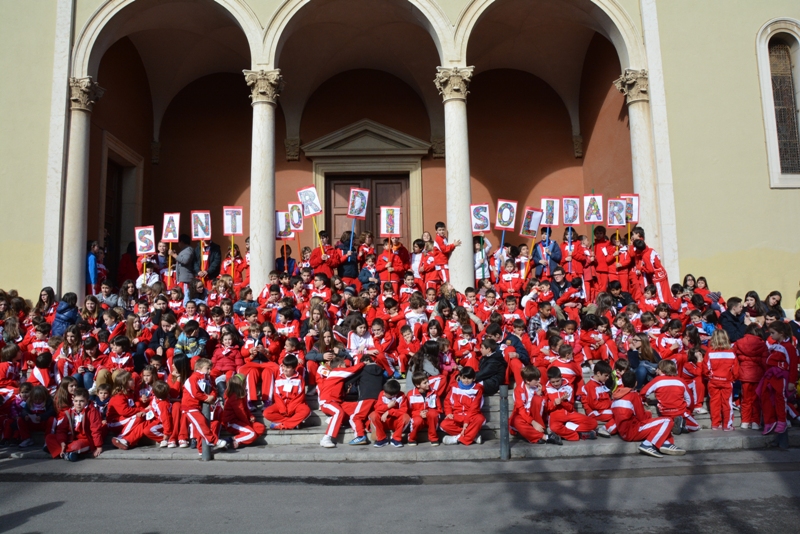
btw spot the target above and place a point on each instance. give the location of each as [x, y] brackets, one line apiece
[27, 36]
[732, 227]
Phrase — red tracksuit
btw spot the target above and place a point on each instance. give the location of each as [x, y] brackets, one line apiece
[82, 432]
[156, 425]
[528, 407]
[781, 371]
[236, 420]
[285, 399]
[396, 421]
[634, 423]
[419, 402]
[121, 413]
[673, 399]
[649, 266]
[564, 420]
[597, 403]
[723, 369]
[193, 397]
[330, 391]
[751, 352]
[464, 404]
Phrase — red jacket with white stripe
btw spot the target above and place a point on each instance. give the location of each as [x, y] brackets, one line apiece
[161, 414]
[784, 356]
[629, 412]
[722, 365]
[382, 405]
[671, 394]
[597, 396]
[85, 425]
[194, 395]
[286, 393]
[563, 392]
[464, 402]
[528, 405]
[121, 407]
[330, 386]
[418, 401]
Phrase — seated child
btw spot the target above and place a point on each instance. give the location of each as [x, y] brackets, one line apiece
[286, 401]
[527, 419]
[597, 399]
[77, 431]
[154, 424]
[236, 417]
[564, 420]
[425, 408]
[16, 407]
[672, 396]
[37, 415]
[391, 413]
[634, 423]
[100, 400]
[462, 407]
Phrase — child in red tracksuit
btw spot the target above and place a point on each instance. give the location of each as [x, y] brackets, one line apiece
[236, 418]
[564, 420]
[155, 423]
[751, 352]
[391, 413]
[330, 386]
[634, 423]
[723, 369]
[78, 430]
[197, 390]
[596, 399]
[226, 361]
[123, 412]
[462, 407]
[286, 396]
[38, 415]
[780, 378]
[673, 397]
[527, 419]
[571, 371]
[425, 408]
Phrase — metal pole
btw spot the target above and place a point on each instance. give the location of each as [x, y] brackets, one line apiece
[208, 451]
[505, 447]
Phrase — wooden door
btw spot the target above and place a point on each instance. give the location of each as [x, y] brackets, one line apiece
[384, 190]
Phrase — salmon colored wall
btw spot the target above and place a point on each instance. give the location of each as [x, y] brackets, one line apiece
[205, 154]
[125, 111]
[604, 123]
[520, 142]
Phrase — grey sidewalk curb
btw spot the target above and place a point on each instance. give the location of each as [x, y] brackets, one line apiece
[704, 441]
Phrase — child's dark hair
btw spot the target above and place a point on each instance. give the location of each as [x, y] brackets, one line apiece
[530, 372]
[44, 360]
[81, 392]
[695, 355]
[467, 372]
[391, 387]
[490, 344]
[9, 352]
[25, 387]
[553, 372]
[103, 387]
[39, 395]
[602, 368]
[123, 342]
[577, 282]
[291, 361]
[236, 387]
[418, 377]
[621, 365]
[565, 350]
[629, 378]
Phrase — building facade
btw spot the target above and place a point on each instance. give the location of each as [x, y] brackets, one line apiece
[117, 111]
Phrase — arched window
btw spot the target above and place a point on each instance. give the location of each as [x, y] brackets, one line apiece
[778, 51]
[784, 97]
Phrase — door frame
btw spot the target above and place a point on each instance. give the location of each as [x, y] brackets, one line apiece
[132, 184]
[372, 165]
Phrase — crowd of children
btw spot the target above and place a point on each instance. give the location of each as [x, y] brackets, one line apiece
[178, 363]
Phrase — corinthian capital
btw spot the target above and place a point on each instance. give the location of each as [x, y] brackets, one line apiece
[84, 93]
[453, 83]
[633, 84]
[265, 85]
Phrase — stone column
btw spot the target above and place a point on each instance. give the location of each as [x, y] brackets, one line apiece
[633, 84]
[84, 93]
[452, 84]
[265, 86]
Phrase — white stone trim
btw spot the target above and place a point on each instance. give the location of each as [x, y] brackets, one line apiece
[57, 147]
[375, 164]
[386, 141]
[132, 185]
[665, 192]
[790, 27]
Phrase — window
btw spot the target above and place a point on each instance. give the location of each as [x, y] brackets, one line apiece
[778, 52]
[783, 94]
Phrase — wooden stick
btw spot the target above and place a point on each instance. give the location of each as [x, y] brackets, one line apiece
[232, 258]
[483, 259]
[321, 248]
[169, 265]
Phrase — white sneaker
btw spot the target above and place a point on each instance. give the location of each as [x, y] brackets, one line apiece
[163, 444]
[603, 432]
[183, 444]
[479, 439]
[745, 426]
[327, 442]
[700, 411]
[450, 440]
[93, 390]
[220, 445]
[755, 426]
[172, 445]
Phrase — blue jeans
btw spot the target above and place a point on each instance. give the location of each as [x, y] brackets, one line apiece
[85, 380]
[644, 373]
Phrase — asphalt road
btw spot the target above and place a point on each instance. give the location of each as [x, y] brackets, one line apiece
[746, 491]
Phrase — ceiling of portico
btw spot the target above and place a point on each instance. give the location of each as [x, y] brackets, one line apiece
[547, 38]
[332, 36]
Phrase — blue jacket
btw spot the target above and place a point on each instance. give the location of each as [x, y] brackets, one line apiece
[66, 316]
[553, 257]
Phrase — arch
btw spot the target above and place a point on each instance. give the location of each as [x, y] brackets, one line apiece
[97, 34]
[611, 20]
[427, 12]
[773, 28]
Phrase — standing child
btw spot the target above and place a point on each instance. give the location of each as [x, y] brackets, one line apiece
[780, 378]
[197, 390]
[751, 352]
[723, 369]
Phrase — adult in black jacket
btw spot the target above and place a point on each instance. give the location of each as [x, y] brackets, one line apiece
[733, 320]
[491, 368]
[213, 264]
